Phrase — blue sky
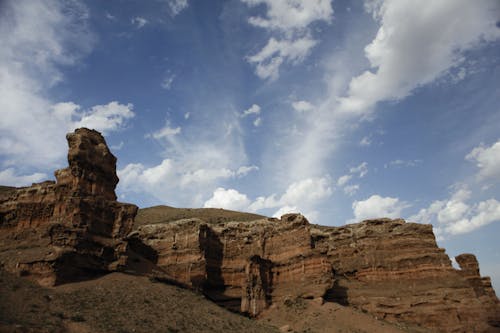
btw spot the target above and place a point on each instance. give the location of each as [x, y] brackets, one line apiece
[342, 110]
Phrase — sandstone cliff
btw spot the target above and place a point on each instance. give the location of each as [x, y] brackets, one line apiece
[396, 271]
[244, 266]
[74, 229]
[71, 229]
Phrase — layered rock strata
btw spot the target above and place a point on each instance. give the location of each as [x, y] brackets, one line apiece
[74, 229]
[71, 229]
[395, 271]
[244, 266]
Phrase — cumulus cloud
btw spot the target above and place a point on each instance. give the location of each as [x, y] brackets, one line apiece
[290, 20]
[360, 171]
[285, 210]
[38, 40]
[228, 199]
[9, 177]
[171, 181]
[487, 159]
[416, 43]
[301, 195]
[177, 179]
[177, 6]
[377, 206]
[106, 118]
[457, 216]
[302, 106]
[290, 16]
[139, 22]
[268, 60]
[254, 109]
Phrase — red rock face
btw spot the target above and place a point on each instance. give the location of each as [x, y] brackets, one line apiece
[72, 229]
[244, 266]
[396, 271]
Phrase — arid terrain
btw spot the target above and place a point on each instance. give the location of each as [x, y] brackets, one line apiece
[126, 303]
[73, 259]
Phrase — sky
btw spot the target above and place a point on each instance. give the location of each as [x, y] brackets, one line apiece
[340, 110]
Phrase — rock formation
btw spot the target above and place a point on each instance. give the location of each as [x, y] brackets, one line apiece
[395, 271]
[71, 229]
[244, 266]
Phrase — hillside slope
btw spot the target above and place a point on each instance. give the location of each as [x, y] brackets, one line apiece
[162, 214]
[115, 303]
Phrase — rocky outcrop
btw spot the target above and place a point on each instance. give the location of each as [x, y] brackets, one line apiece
[389, 268]
[71, 229]
[395, 271]
[74, 229]
[244, 266]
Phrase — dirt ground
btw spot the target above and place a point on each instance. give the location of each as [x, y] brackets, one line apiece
[116, 303]
[315, 316]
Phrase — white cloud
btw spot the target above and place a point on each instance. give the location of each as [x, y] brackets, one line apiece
[351, 190]
[290, 16]
[378, 207]
[285, 210]
[302, 106]
[179, 182]
[9, 177]
[365, 142]
[361, 170]
[276, 52]
[177, 6]
[416, 43]
[307, 191]
[167, 81]
[244, 170]
[198, 159]
[187, 115]
[139, 22]
[39, 39]
[455, 216]
[343, 180]
[300, 196]
[166, 132]
[290, 19]
[104, 118]
[110, 17]
[257, 122]
[487, 159]
[254, 109]
[227, 199]
[303, 194]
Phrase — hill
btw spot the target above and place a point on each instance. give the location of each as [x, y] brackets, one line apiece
[163, 214]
